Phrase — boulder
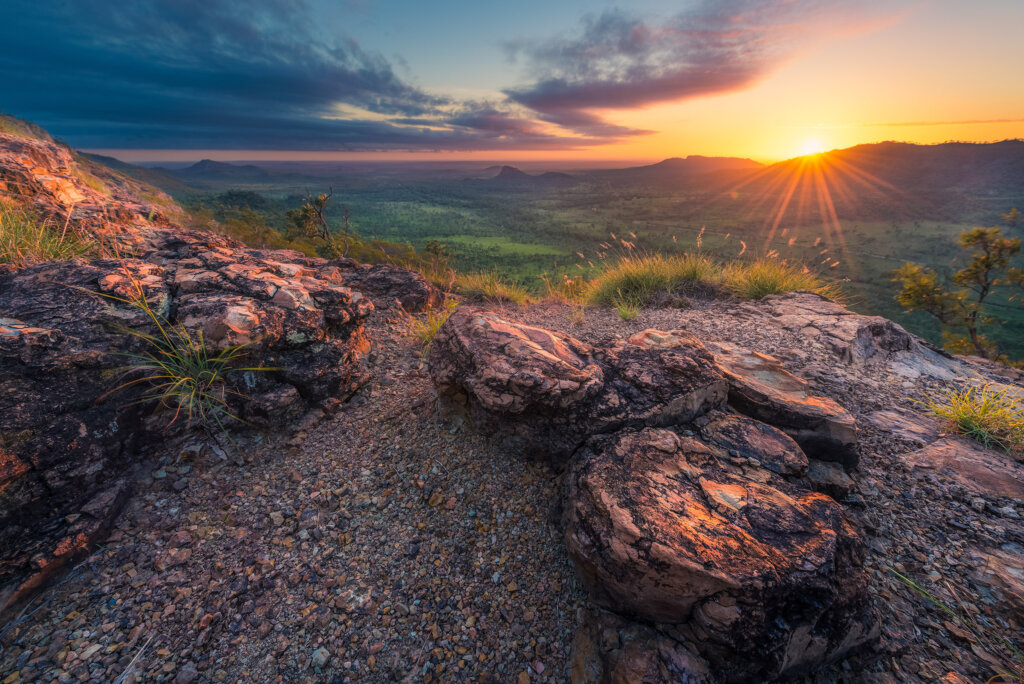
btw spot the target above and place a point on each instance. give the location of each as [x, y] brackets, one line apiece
[549, 391]
[612, 650]
[387, 285]
[762, 576]
[753, 440]
[761, 388]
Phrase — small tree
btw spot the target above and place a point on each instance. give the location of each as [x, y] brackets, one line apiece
[1012, 218]
[310, 221]
[962, 309]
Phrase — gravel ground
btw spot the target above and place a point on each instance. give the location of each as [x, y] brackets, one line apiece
[384, 544]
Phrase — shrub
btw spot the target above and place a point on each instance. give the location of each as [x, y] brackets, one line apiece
[765, 277]
[492, 287]
[425, 328]
[993, 418]
[26, 240]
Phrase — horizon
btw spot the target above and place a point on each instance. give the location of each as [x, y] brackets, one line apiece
[366, 81]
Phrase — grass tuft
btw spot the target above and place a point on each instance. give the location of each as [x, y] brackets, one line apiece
[765, 277]
[490, 286]
[993, 418]
[627, 308]
[634, 279]
[25, 240]
[425, 328]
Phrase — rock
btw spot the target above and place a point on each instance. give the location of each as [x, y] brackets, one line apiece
[747, 438]
[608, 648]
[860, 340]
[830, 478]
[907, 425]
[550, 391]
[761, 388]
[979, 470]
[187, 674]
[765, 578]
[1002, 570]
[320, 657]
[386, 285]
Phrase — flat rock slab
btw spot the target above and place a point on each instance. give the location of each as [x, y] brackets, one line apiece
[983, 471]
[753, 440]
[907, 425]
[764, 576]
[761, 388]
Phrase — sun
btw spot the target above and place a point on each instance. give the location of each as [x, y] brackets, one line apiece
[811, 146]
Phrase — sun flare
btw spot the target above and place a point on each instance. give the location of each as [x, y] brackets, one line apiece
[811, 146]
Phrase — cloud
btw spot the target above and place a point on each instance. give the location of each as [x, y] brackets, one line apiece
[618, 61]
[233, 74]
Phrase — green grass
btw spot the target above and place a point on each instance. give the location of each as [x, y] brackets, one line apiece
[993, 418]
[179, 371]
[764, 277]
[628, 309]
[26, 240]
[491, 286]
[635, 279]
[424, 328]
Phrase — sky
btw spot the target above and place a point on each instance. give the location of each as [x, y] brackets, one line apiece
[152, 80]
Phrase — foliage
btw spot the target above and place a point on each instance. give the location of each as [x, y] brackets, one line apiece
[765, 277]
[962, 309]
[993, 418]
[491, 286]
[1007, 658]
[425, 327]
[627, 308]
[26, 240]
[179, 371]
[635, 278]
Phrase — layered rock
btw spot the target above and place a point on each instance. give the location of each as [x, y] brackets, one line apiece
[549, 391]
[758, 575]
[761, 388]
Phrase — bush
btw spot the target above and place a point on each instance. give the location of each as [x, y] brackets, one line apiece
[993, 418]
[490, 286]
[26, 240]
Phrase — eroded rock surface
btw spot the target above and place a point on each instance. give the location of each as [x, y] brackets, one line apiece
[761, 577]
[552, 391]
[761, 388]
[979, 470]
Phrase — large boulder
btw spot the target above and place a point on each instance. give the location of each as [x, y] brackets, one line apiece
[762, 577]
[387, 285]
[549, 391]
[761, 388]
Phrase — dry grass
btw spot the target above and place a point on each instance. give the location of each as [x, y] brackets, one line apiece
[25, 240]
[764, 277]
[634, 279]
[490, 286]
[993, 418]
[424, 328]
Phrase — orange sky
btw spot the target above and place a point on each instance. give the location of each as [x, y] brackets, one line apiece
[938, 71]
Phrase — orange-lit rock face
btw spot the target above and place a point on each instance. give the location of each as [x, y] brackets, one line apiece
[552, 391]
[664, 531]
[761, 388]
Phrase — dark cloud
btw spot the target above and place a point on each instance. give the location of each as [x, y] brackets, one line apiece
[618, 61]
[234, 74]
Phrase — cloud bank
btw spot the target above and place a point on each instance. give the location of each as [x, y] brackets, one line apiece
[260, 74]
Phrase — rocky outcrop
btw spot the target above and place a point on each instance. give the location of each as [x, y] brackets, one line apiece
[549, 392]
[67, 437]
[761, 388]
[761, 577]
[388, 285]
[713, 558]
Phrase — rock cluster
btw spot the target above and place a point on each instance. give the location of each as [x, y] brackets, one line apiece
[67, 440]
[689, 510]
